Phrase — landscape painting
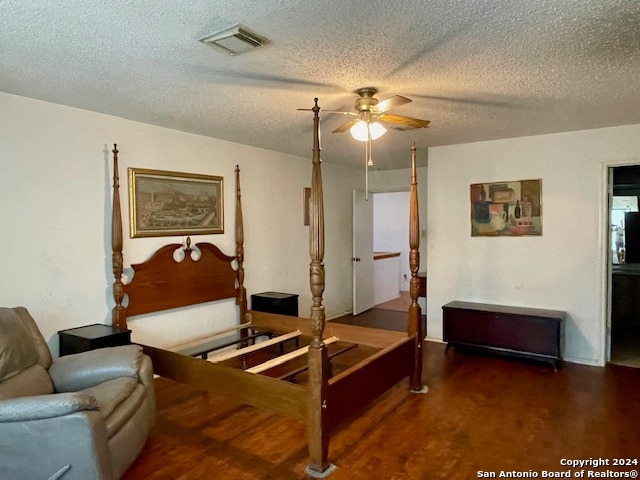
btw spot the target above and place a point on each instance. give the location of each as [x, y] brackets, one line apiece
[509, 208]
[173, 203]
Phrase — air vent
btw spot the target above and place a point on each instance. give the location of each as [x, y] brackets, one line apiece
[234, 40]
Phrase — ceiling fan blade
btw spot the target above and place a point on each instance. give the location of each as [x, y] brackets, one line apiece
[407, 122]
[346, 126]
[353, 114]
[389, 103]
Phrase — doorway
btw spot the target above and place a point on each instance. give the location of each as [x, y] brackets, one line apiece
[391, 236]
[380, 226]
[624, 265]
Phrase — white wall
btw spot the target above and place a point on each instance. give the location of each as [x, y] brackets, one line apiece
[385, 279]
[55, 205]
[563, 269]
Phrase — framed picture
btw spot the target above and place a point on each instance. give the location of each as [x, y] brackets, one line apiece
[165, 203]
[511, 208]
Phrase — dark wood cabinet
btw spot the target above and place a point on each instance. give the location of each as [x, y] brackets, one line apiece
[525, 332]
[90, 337]
[275, 302]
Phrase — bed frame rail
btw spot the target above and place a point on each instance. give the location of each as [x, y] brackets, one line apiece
[353, 389]
[260, 391]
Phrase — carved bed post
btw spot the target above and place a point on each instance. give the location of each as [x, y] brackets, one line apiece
[241, 298]
[415, 314]
[118, 314]
[318, 361]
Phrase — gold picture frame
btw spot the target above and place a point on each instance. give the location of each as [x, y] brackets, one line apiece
[164, 203]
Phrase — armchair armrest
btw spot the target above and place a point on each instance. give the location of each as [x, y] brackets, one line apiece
[39, 407]
[75, 443]
[87, 369]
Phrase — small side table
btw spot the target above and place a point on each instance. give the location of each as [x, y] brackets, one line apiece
[90, 337]
[275, 302]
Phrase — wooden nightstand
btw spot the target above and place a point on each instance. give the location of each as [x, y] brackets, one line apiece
[275, 302]
[422, 290]
[90, 337]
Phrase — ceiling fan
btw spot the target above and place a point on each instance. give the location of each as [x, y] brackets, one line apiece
[366, 126]
[369, 110]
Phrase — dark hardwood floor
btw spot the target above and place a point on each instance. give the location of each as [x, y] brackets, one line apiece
[379, 318]
[482, 413]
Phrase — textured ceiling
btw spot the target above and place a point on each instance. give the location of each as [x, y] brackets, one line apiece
[478, 69]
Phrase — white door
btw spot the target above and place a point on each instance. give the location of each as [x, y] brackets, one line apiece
[362, 258]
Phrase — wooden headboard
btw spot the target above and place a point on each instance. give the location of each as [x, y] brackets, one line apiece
[176, 275]
[203, 274]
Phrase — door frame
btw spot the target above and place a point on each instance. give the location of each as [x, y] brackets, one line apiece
[606, 193]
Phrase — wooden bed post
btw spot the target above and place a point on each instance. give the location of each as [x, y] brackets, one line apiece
[241, 298]
[415, 314]
[318, 361]
[118, 314]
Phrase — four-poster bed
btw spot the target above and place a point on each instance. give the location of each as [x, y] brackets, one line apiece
[346, 366]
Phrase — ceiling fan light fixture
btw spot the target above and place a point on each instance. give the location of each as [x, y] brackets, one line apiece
[234, 40]
[360, 131]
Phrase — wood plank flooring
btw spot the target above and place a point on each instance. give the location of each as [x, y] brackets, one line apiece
[378, 318]
[482, 413]
[400, 304]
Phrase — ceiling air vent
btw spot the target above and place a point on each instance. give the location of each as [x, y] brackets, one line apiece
[234, 40]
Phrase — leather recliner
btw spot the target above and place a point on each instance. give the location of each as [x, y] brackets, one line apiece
[83, 416]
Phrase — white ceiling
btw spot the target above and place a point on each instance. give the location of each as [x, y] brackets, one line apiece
[478, 69]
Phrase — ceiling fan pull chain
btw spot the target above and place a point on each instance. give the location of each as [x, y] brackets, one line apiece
[367, 156]
[369, 139]
[368, 162]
